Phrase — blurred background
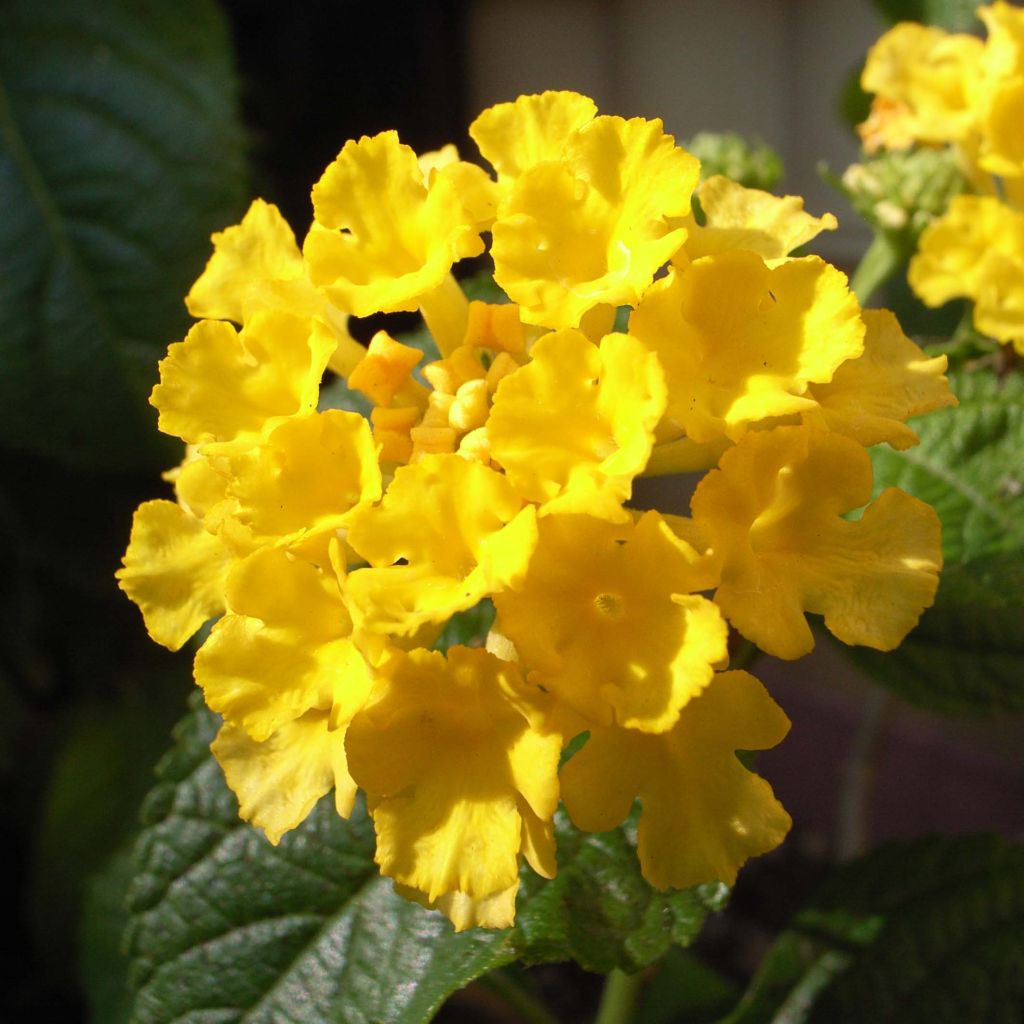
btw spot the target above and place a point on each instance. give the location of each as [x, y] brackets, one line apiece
[263, 97]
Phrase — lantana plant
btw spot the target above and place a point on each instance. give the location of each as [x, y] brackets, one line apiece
[645, 322]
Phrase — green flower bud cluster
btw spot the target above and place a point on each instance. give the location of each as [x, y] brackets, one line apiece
[901, 193]
[751, 164]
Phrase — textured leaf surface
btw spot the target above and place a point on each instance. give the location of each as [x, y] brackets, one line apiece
[968, 465]
[227, 928]
[967, 654]
[930, 932]
[120, 152]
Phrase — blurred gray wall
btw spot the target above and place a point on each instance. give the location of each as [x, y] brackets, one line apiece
[767, 68]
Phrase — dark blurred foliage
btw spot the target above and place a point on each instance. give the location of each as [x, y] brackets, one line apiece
[86, 699]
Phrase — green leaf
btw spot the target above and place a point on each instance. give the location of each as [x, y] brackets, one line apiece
[930, 931]
[955, 15]
[120, 152]
[968, 466]
[103, 967]
[967, 653]
[226, 927]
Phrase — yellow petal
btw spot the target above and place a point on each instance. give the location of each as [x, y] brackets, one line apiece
[174, 571]
[217, 384]
[432, 749]
[703, 814]
[592, 229]
[925, 77]
[870, 398]
[513, 137]
[747, 218]
[284, 650]
[740, 341]
[953, 253]
[382, 237]
[295, 487]
[259, 249]
[620, 638]
[773, 512]
[279, 780]
[577, 414]
[459, 529]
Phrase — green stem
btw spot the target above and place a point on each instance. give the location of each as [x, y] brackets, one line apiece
[524, 1002]
[882, 259]
[619, 998]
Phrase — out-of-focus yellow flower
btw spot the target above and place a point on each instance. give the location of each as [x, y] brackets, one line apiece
[447, 533]
[579, 631]
[702, 813]
[574, 425]
[924, 78]
[747, 218]
[741, 341]
[976, 250]
[459, 768]
[772, 514]
[592, 229]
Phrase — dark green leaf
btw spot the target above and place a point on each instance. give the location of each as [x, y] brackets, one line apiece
[685, 990]
[120, 151]
[103, 967]
[226, 927]
[955, 15]
[967, 654]
[930, 931]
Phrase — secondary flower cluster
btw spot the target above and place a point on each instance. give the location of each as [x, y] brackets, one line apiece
[937, 88]
[334, 548]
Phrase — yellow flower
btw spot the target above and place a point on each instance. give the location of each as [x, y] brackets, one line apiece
[619, 636]
[174, 571]
[576, 424]
[703, 814]
[219, 384]
[591, 230]
[772, 513]
[976, 249]
[294, 488]
[736, 217]
[515, 137]
[1002, 147]
[924, 78]
[870, 398]
[285, 648]
[279, 780]
[256, 264]
[383, 238]
[458, 768]
[741, 341]
[447, 533]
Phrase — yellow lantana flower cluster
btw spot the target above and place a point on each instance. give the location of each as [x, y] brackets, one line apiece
[937, 88]
[334, 548]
